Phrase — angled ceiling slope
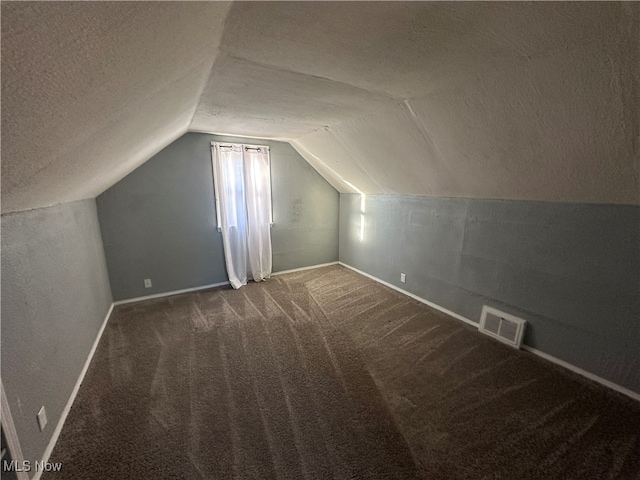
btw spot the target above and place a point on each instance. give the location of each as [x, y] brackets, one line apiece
[90, 90]
[513, 100]
[499, 100]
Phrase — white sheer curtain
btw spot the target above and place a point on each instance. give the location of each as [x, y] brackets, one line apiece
[243, 205]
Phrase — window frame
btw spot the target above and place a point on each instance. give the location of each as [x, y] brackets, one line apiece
[243, 148]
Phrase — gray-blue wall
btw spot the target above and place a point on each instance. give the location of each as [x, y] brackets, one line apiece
[159, 221]
[571, 270]
[55, 296]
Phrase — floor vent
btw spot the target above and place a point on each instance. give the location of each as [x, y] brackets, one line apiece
[502, 326]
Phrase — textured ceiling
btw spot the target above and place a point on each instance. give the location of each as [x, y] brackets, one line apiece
[491, 100]
[90, 90]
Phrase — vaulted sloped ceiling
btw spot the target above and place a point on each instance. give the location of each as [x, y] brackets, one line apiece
[90, 90]
[491, 100]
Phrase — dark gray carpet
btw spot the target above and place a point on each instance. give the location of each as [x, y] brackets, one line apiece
[327, 374]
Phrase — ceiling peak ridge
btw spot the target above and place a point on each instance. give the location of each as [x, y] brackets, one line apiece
[216, 53]
[270, 66]
[203, 87]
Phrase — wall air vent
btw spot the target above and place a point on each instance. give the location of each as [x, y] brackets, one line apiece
[502, 326]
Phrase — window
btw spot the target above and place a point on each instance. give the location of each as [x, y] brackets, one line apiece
[242, 184]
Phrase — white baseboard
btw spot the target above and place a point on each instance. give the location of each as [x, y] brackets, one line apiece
[546, 356]
[416, 297]
[72, 397]
[584, 373]
[169, 294]
[205, 287]
[311, 267]
[74, 393]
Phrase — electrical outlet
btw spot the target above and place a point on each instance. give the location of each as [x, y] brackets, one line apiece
[403, 277]
[147, 283]
[42, 418]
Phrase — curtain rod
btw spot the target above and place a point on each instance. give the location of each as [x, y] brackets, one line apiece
[246, 148]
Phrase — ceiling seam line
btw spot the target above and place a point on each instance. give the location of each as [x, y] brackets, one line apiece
[217, 51]
[318, 77]
[204, 87]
